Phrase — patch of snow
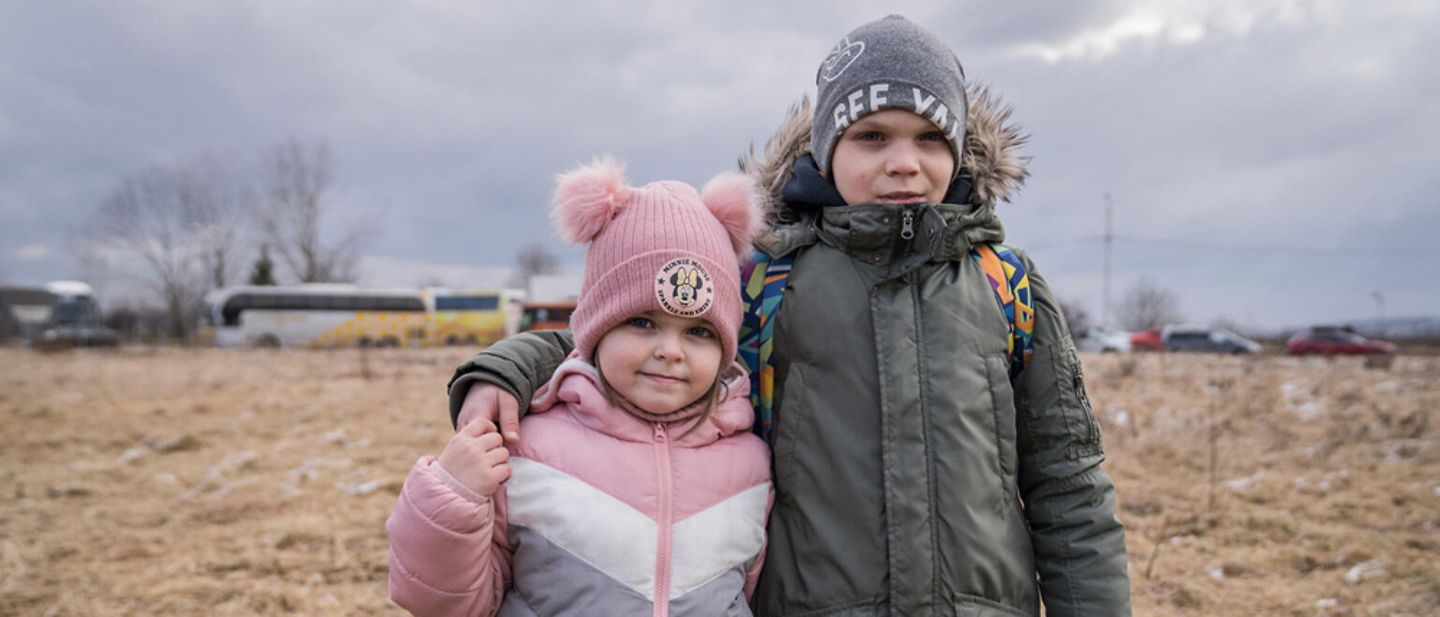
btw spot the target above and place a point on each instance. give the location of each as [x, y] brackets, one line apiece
[1365, 571]
[131, 455]
[1240, 484]
[1119, 417]
[363, 488]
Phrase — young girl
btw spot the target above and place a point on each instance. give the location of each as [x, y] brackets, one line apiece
[639, 490]
[918, 469]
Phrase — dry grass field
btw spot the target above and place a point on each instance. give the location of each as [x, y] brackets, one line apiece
[213, 482]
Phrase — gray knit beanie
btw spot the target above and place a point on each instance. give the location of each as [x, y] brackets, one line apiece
[889, 63]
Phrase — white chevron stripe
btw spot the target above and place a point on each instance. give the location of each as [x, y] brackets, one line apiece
[710, 542]
[597, 528]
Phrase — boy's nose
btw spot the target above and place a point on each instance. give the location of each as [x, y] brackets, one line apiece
[902, 159]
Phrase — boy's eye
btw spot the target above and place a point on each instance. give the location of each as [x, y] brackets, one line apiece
[643, 323]
[933, 136]
[869, 136]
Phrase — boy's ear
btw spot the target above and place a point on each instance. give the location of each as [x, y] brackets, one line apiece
[588, 198]
[734, 199]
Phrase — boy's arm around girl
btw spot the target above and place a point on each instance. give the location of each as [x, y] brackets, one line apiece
[1069, 500]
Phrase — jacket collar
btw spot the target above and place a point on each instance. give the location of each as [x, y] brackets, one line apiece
[874, 233]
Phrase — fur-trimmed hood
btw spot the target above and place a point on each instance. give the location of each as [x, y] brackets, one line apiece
[991, 154]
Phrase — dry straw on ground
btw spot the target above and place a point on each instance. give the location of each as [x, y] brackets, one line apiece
[212, 482]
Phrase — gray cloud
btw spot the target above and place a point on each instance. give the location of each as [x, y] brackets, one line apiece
[1298, 124]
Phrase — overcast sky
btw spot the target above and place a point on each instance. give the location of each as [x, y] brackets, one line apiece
[1273, 163]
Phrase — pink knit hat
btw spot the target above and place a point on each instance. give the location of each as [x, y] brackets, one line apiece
[660, 247]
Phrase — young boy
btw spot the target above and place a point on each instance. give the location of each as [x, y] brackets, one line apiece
[914, 474]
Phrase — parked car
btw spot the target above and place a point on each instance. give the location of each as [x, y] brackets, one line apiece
[1205, 339]
[1332, 341]
[1147, 340]
[552, 315]
[1098, 339]
[77, 335]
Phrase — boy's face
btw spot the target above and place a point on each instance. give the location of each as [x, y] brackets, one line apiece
[892, 156]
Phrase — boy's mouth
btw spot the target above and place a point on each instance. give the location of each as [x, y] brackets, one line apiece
[901, 197]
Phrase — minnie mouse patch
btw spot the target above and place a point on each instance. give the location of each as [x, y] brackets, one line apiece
[684, 288]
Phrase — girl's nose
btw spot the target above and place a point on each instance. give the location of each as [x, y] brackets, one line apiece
[668, 347]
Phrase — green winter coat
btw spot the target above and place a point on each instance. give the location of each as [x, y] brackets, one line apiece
[911, 478]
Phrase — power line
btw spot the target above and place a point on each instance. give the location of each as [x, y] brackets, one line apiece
[1310, 250]
[1202, 245]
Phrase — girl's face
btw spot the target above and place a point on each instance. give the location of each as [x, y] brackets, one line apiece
[658, 361]
[892, 156]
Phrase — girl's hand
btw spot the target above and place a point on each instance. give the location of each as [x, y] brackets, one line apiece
[477, 457]
[492, 402]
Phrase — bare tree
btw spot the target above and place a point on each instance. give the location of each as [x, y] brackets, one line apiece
[1147, 305]
[222, 216]
[533, 259]
[1077, 319]
[297, 178]
[150, 217]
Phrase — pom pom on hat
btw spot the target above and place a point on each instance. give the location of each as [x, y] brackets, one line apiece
[588, 198]
[734, 200]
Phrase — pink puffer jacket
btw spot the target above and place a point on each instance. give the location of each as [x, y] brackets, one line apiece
[605, 514]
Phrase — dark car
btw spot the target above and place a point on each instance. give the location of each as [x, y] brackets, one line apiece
[76, 335]
[1206, 339]
[1335, 341]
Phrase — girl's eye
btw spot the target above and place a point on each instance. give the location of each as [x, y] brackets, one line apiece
[643, 323]
[702, 332]
[870, 136]
[933, 136]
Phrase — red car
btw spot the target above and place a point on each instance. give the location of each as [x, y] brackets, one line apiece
[1147, 340]
[1333, 341]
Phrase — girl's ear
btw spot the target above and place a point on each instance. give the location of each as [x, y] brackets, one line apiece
[588, 198]
[734, 200]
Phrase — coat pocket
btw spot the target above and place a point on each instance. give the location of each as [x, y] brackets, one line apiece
[789, 429]
[1002, 403]
[1085, 431]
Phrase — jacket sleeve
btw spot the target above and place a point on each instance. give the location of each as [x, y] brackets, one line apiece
[449, 555]
[520, 364]
[1069, 500]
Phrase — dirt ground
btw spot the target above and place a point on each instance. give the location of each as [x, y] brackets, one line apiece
[253, 482]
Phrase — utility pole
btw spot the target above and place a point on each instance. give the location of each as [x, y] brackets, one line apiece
[1109, 240]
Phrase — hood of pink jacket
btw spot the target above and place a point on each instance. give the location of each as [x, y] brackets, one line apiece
[576, 387]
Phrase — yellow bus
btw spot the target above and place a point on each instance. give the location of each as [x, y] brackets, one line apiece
[472, 316]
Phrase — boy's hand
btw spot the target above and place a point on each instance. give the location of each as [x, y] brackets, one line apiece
[490, 402]
[477, 458]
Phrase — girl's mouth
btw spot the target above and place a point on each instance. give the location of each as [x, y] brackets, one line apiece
[662, 379]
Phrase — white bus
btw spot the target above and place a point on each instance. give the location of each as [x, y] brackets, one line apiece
[317, 315]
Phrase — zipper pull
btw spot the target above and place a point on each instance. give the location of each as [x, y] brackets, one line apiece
[907, 225]
[660, 432]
